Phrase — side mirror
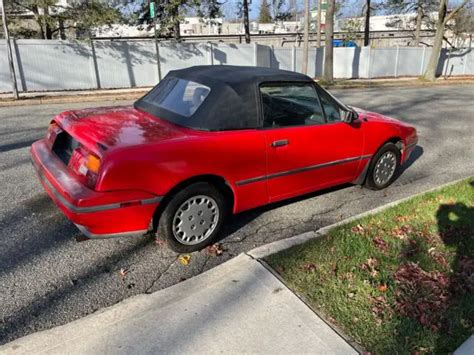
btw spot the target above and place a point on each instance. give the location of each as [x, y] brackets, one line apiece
[348, 116]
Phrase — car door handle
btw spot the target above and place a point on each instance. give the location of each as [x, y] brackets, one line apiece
[279, 143]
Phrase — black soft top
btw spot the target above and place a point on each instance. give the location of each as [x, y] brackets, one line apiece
[233, 99]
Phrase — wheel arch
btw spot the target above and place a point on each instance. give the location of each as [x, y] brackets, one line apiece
[360, 180]
[215, 180]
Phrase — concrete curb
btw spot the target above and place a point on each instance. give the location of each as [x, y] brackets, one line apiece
[280, 245]
[264, 251]
[228, 299]
[466, 348]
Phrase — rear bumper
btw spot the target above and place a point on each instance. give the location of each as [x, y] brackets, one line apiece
[96, 214]
[408, 149]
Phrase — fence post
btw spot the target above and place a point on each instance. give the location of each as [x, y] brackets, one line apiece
[96, 66]
[24, 88]
[211, 54]
[466, 58]
[396, 61]
[293, 58]
[255, 54]
[272, 55]
[422, 61]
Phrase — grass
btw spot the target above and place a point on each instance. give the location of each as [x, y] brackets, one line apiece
[400, 281]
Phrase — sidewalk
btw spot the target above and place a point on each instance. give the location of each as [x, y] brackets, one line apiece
[51, 97]
[237, 307]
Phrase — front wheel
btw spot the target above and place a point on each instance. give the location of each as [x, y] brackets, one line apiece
[383, 167]
[192, 218]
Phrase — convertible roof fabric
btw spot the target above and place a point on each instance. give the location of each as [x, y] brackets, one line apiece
[233, 100]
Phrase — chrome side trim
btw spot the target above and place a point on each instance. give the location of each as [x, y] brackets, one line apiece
[88, 209]
[300, 170]
[90, 235]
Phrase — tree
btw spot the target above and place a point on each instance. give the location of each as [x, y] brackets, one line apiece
[264, 15]
[53, 18]
[277, 10]
[328, 50]
[318, 25]
[443, 19]
[170, 13]
[421, 7]
[243, 11]
[367, 23]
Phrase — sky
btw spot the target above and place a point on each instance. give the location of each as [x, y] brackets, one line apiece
[349, 6]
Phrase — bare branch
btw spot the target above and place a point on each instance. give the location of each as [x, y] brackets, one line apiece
[455, 11]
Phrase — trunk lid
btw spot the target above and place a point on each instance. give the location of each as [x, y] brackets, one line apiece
[101, 129]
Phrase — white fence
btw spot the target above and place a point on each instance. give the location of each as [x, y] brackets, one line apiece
[72, 65]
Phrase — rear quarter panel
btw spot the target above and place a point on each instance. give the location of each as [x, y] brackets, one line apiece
[157, 168]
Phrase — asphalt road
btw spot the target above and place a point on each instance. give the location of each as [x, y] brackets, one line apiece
[47, 278]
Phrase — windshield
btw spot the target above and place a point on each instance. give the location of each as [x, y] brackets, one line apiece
[177, 95]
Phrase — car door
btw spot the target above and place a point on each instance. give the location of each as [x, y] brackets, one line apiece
[308, 146]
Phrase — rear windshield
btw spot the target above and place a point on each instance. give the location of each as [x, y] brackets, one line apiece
[177, 95]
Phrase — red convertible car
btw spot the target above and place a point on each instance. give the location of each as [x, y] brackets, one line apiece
[208, 141]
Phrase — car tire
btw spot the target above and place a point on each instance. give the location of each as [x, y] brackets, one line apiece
[383, 168]
[193, 218]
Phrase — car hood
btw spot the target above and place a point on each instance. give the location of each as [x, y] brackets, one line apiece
[117, 127]
[377, 117]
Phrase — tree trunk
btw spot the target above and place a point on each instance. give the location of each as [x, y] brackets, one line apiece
[48, 32]
[304, 65]
[419, 18]
[176, 30]
[430, 73]
[174, 13]
[328, 50]
[367, 24]
[246, 21]
[318, 25]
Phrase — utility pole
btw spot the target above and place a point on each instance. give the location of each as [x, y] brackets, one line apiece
[9, 50]
[367, 24]
[304, 66]
[245, 5]
[153, 14]
[318, 24]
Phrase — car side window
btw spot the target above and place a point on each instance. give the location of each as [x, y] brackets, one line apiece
[331, 108]
[287, 105]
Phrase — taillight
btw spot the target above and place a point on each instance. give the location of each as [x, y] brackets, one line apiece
[86, 165]
[92, 165]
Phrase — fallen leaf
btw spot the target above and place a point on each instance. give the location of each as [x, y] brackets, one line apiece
[401, 218]
[380, 243]
[215, 249]
[358, 229]
[280, 269]
[402, 232]
[372, 262]
[123, 272]
[383, 288]
[160, 242]
[310, 267]
[184, 259]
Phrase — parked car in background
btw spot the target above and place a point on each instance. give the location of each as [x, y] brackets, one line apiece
[206, 142]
